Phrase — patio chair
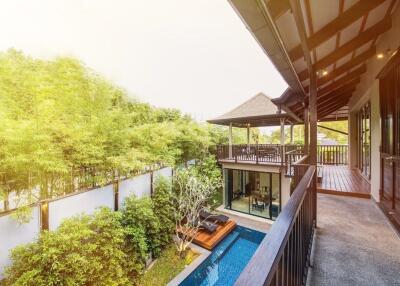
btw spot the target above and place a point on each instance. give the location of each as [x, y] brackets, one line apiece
[258, 205]
[219, 218]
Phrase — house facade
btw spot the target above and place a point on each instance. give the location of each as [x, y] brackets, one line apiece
[341, 61]
[256, 181]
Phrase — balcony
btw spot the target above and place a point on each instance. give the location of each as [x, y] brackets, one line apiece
[267, 154]
[349, 242]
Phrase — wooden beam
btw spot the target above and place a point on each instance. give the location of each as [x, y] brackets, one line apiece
[343, 80]
[333, 105]
[298, 17]
[339, 34]
[350, 46]
[310, 25]
[343, 96]
[323, 115]
[290, 113]
[344, 87]
[336, 97]
[328, 97]
[348, 66]
[339, 23]
[334, 130]
[297, 107]
[277, 7]
[306, 128]
[333, 109]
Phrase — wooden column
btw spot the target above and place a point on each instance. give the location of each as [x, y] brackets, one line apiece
[248, 134]
[291, 133]
[306, 130]
[313, 117]
[230, 140]
[282, 131]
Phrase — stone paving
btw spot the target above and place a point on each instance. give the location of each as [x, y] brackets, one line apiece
[354, 244]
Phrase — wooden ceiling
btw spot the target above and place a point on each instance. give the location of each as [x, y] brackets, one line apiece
[340, 36]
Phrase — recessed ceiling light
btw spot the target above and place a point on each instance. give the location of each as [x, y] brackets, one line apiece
[380, 56]
[324, 73]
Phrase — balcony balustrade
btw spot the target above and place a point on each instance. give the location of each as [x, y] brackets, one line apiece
[280, 154]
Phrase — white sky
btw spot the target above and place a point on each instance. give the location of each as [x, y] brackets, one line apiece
[196, 56]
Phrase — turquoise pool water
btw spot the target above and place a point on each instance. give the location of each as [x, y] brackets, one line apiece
[227, 260]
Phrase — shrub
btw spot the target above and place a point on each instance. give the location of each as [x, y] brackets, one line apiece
[208, 167]
[163, 207]
[84, 250]
[139, 219]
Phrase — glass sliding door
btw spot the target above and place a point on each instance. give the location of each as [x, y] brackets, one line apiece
[275, 195]
[255, 193]
[260, 194]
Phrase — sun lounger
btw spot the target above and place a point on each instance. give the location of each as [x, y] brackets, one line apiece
[215, 217]
[208, 226]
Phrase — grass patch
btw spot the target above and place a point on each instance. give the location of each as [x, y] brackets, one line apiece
[167, 266]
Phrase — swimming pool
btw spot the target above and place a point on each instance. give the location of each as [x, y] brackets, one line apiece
[227, 260]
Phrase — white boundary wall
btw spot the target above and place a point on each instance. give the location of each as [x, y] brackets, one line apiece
[166, 172]
[13, 233]
[140, 186]
[85, 202]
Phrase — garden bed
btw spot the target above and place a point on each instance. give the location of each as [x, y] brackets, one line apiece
[167, 266]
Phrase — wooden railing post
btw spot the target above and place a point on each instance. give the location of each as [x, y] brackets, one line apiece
[235, 153]
[116, 194]
[257, 152]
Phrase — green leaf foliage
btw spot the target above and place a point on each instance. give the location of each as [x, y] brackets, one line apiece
[64, 127]
[163, 207]
[84, 250]
[138, 216]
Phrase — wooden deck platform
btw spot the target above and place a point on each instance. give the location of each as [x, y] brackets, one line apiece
[209, 241]
[343, 181]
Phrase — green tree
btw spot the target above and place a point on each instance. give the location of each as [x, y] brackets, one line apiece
[163, 207]
[64, 127]
[137, 213]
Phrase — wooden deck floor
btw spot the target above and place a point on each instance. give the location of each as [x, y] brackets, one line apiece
[341, 180]
[209, 241]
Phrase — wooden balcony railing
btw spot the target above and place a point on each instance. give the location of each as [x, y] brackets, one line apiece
[332, 154]
[283, 257]
[259, 153]
[291, 159]
[282, 154]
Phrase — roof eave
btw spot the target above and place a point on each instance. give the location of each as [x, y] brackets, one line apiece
[259, 22]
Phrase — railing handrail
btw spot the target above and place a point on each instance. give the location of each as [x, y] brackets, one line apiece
[262, 267]
[294, 152]
[301, 160]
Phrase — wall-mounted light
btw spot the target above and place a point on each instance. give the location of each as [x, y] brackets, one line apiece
[384, 54]
[322, 73]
